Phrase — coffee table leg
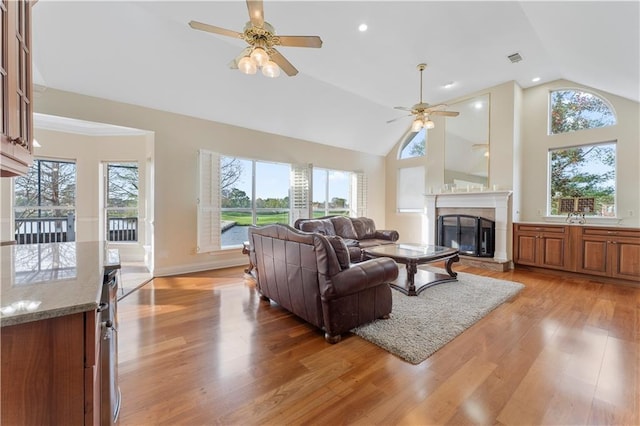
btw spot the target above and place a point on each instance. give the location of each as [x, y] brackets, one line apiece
[449, 263]
[412, 268]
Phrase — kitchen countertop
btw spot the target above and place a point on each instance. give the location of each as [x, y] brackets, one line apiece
[40, 281]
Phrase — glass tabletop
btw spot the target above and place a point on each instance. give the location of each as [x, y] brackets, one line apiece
[410, 251]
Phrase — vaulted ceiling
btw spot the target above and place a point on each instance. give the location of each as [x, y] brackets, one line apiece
[145, 53]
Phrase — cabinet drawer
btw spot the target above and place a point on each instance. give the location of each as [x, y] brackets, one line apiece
[610, 232]
[542, 228]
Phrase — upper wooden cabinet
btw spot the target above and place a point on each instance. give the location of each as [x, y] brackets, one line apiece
[15, 88]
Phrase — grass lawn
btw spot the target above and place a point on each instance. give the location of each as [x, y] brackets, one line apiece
[264, 218]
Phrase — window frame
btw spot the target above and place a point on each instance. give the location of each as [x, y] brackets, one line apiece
[327, 211]
[550, 196]
[575, 89]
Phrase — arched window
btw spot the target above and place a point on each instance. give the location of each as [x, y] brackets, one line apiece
[571, 110]
[414, 145]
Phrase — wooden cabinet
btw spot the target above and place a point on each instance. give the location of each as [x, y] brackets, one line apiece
[16, 112]
[611, 252]
[51, 371]
[544, 246]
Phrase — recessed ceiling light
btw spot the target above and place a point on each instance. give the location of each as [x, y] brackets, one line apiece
[478, 105]
[448, 85]
[535, 79]
[363, 27]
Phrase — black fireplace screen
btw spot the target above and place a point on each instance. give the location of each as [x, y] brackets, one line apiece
[471, 235]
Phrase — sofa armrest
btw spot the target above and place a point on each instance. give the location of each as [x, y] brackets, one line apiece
[361, 276]
[387, 234]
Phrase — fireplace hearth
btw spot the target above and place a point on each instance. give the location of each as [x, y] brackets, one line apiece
[471, 235]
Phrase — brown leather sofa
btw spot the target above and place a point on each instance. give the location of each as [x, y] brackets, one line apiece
[358, 232]
[311, 275]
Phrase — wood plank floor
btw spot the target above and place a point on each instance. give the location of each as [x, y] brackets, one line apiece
[204, 349]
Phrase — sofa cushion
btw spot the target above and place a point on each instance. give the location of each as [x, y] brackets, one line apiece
[321, 226]
[342, 251]
[344, 227]
[364, 227]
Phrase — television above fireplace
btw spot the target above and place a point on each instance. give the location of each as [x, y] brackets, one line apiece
[471, 235]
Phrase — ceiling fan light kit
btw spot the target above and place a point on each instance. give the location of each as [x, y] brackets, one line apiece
[422, 110]
[262, 38]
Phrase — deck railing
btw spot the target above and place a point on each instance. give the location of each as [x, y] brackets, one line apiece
[123, 229]
[35, 230]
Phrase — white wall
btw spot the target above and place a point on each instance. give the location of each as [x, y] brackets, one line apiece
[519, 145]
[177, 140]
[89, 152]
[503, 136]
[537, 142]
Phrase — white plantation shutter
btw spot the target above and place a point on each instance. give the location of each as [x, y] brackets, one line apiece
[208, 201]
[358, 194]
[300, 200]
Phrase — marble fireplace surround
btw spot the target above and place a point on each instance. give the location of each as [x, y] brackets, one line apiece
[496, 202]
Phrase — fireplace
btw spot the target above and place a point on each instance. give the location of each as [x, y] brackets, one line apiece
[495, 205]
[471, 235]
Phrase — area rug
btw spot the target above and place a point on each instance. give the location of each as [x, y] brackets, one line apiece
[420, 325]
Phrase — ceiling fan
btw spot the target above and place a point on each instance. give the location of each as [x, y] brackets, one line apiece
[422, 110]
[262, 38]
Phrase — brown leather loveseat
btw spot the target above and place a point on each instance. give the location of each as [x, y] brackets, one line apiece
[311, 275]
[358, 232]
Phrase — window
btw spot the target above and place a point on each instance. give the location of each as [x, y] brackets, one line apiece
[583, 179]
[414, 145]
[572, 110]
[122, 202]
[331, 192]
[410, 196]
[251, 193]
[44, 203]
[235, 193]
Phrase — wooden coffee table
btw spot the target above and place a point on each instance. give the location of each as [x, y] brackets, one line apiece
[413, 255]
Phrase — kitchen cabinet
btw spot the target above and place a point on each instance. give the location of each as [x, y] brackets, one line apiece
[16, 87]
[544, 246]
[611, 252]
[52, 366]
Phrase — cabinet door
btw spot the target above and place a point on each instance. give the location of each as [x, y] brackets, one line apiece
[553, 251]
[593, 259]
[625, 259]
[16, 87]
[525, 250]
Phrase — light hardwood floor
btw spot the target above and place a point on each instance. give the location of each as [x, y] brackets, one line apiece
[204, 349]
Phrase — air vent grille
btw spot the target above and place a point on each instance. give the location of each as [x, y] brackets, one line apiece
[515, 57]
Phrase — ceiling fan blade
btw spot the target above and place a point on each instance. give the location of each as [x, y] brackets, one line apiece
[445, 113]
[256, 12]
[282, 62]
[234, 63]
[403, 108]
[300, 41]
[213, 29]
[398, 118]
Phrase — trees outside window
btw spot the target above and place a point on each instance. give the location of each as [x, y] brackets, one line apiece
[572, 110]
[251, 193]
[587, 171]
[44, 202]
[414, 145]
[122, 201]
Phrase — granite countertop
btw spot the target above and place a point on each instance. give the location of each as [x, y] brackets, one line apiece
[42, 281]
